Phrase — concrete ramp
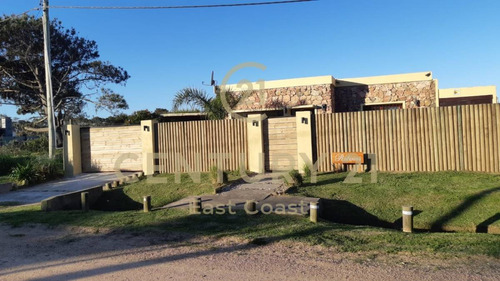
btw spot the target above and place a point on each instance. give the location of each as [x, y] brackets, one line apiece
[46, 190]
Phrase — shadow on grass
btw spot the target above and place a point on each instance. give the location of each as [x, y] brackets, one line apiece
[116, 200]
[483, 227]
[174, 228]
[471, 200]
[341, 211]
[323, 182]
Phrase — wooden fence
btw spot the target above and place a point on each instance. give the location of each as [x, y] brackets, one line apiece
[181, 143]
[462, 138]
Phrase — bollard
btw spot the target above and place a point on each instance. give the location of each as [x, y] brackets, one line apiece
[106, 187]
[115, 184]
[313, 211]
[407, 219]
[250, 207]
[85, 201]
[122, 181]
[147, 203]
[196, 206]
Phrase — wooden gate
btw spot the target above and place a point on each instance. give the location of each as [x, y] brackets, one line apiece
[198, 144]
[280, 144]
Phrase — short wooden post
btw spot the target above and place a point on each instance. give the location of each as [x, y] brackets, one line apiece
[85, 201]
[115, 184]
[407, 219]
[147, 203]
[122, 181]
[313, 211]
[196, 206]
[250, 207]
[107, 186]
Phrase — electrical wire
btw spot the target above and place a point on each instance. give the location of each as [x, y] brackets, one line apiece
[179, 7]
[9, 17]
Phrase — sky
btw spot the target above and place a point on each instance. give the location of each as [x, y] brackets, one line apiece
[167, 50]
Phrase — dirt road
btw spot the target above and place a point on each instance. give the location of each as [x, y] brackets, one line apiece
[39, 253]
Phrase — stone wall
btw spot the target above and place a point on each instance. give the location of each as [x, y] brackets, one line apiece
[289, 97]
[415, 94]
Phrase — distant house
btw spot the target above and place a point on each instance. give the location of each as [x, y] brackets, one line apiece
[327, 94]
[6, 127]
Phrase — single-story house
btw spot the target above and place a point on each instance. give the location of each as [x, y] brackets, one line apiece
[328, 94]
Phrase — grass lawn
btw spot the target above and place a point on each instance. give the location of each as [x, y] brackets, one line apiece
[130, 197]
[443, 200]
[262, 229]
[5, 179]
[259, 229]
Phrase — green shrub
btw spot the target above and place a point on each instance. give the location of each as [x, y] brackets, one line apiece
[37, 170]
[12, 148]
[214, 176]
[24, 174]
[35, 146]
[49, 169]
[39, 145]
[307, 171]
[9, 162]
[296, 178]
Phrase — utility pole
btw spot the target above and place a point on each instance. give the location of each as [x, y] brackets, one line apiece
[48, 79]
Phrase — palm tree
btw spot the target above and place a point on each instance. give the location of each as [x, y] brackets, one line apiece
[199, 100]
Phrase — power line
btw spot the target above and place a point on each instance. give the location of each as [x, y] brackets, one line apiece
[17, 15]
[179, 7]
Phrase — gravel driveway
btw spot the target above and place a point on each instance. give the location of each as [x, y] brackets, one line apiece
[39, 253]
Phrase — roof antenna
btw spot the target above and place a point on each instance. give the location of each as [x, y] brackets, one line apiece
[212, 81]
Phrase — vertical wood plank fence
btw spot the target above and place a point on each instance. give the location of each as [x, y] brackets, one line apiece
[462, 138]
[199, 143]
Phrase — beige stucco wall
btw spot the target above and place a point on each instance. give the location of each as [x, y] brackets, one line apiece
[148, 146]
[469, 92]
[255, 141]
[72, 151]
[304, 140]
[384, 79]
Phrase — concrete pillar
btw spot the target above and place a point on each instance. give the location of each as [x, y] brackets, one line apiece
[148, 146]
[255, 143]
[304, 139]
[72, 155]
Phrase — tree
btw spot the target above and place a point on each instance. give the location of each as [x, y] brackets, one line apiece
[199, 100]
[121, 119]
[75, 67]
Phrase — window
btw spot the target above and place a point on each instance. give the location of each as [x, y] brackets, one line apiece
[383, 106]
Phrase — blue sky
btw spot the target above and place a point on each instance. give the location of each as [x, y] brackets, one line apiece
[166, 50]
